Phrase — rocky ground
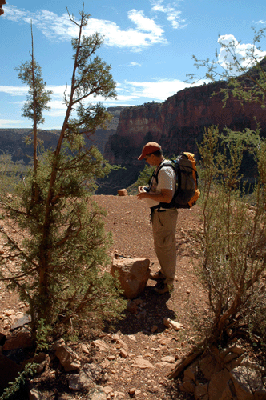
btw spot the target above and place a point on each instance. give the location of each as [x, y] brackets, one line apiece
[132, 359]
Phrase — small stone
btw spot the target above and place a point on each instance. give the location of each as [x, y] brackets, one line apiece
[122, 192]
[123, 353]
[20, 320]
[100, 344]
[105, 364]
[119, 395]
[141, 363]
[165, 341]
[162, 364]
[97, 394]
[85, 349]
[121, 343]
[246, 381]
[67, 357]
[74, 382]
[9, 312]
[168, 359]
[115, 337]
[107, 389]
[172, 324]
[34, 394]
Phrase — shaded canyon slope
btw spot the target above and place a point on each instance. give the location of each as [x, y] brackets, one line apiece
[14, 141]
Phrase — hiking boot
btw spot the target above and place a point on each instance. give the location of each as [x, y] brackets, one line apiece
[164, 289]
[157, 275]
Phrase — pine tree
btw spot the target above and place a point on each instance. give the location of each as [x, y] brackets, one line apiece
[31, 73]
[62, 248]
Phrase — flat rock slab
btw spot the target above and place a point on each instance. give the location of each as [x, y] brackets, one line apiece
[141, 363]
[133, 274]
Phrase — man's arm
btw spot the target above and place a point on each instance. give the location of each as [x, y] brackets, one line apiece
[164, 196]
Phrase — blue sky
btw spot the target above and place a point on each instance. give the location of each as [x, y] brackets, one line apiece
[149, 45]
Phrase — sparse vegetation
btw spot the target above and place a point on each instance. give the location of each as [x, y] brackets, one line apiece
[234, 237]
[233, 240]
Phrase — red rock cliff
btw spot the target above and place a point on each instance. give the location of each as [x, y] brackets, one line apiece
[178, 123]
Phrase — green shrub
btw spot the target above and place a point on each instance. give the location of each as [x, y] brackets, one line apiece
[233, 240]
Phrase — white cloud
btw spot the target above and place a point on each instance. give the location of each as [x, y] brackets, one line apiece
[173, 15]
[232, 51]
[7, 123]
[144, 23]
[14, 90]
[144, 34]
[159, 90]
[129, 93]
[134, 64]
[14, 14]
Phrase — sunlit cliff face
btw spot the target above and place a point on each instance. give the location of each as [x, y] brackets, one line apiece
[179, 122]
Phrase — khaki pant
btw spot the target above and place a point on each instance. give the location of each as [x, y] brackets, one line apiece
[163, 228]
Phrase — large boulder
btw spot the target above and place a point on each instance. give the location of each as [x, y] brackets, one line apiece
[133, 274]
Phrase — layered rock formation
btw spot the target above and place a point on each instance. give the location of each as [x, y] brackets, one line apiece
[178, 123]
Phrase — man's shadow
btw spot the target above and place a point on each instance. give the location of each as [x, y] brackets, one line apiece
[145, 313]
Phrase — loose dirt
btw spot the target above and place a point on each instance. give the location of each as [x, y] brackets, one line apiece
[142, 330]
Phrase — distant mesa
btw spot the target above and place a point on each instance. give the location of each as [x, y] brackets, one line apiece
[13, 141]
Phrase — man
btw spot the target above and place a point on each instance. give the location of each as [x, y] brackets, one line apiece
[163, 216]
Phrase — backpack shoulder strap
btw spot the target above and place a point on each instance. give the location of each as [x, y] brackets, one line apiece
[166, 163]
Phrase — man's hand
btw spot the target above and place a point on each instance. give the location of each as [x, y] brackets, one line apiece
[163, 195]
[142, 193]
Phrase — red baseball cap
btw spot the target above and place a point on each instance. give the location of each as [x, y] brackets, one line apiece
[149, 148]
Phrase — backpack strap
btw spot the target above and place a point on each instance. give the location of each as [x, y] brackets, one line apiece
[163, 164]
[155, 175]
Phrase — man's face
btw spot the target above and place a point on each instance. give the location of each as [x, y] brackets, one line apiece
[150, 159]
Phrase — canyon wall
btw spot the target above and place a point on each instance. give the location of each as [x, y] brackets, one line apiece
[13, 141]
[178, 123]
